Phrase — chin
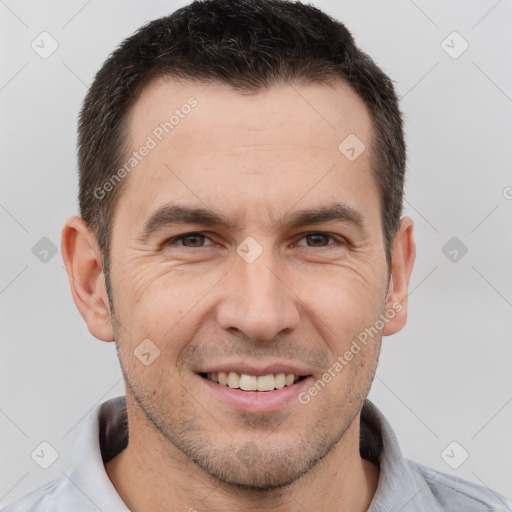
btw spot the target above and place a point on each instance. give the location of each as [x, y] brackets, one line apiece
[259, 468]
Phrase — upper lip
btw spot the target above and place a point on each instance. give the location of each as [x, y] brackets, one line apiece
[256, 369]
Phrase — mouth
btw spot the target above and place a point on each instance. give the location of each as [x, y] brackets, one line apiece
[256, 392]
[252, 383]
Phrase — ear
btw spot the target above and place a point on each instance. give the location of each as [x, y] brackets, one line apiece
[403, 256]
[84, 266]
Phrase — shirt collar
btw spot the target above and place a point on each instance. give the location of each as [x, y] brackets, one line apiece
[105, 433]
[400, 487]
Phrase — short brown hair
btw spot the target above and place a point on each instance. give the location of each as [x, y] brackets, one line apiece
[249, 45]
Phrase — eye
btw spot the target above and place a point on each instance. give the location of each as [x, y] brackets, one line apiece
[319, 239]
[196, 240]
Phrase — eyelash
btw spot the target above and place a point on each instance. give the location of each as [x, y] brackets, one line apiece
[186, 235]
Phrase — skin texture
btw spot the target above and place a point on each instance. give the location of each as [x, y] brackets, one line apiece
[253, 158]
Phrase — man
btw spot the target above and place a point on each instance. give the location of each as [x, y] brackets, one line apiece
[241, 180]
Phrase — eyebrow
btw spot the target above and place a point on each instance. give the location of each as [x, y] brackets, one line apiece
[173, 214]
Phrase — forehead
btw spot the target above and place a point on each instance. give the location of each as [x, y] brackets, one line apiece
[324, 110]
[213, 145]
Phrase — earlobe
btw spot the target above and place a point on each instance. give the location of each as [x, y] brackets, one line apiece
[83, 263]
[404, 254]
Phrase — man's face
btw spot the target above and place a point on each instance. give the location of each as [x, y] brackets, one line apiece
[258, 295]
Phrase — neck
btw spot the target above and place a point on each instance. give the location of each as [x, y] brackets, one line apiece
[341, 481]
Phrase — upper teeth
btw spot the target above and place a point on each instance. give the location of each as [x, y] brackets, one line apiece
[253, 382]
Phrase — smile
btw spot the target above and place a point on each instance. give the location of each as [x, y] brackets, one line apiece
[247, 382]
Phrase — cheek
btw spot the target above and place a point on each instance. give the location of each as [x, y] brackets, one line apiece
[165, 306]
[151, 291]
[342, 304]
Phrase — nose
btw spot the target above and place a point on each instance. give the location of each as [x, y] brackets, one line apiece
[257, 301]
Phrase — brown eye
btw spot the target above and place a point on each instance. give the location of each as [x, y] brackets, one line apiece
[318, 239]
[192, 240]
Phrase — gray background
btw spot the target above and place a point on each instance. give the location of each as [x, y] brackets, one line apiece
[446, 377]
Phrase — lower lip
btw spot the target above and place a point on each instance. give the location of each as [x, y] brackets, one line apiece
[257, 401]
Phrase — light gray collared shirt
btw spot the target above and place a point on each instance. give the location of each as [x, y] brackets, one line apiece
[404, 485]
